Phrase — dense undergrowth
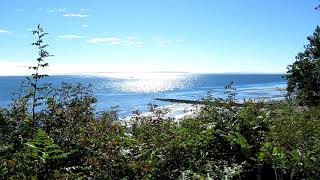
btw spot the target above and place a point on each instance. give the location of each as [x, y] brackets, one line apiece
[254, 141]
[55, 133]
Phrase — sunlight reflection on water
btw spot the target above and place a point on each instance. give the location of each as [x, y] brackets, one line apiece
[152, 82]
[132, 91]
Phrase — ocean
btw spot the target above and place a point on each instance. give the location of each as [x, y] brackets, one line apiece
[132, 91]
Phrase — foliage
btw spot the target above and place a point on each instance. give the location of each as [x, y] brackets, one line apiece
[224, 140]
[36, 76]
[304, 75]
[36, 158]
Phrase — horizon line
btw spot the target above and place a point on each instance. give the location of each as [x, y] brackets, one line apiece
[154, 72]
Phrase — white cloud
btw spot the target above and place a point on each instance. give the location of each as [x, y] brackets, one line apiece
[61, 10]
[75, 15]
[56, 10]
[83, 9]
[111, 40]
[3, 31]
[13, 68]
[70, 36]
[84, 25]
[129, 41]
[169, 42]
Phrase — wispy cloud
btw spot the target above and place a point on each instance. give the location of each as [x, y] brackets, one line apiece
[56, 10]
[84, 25]
[129, 41]
[169, 42]
[61, 10]
[75, 15]
[11, 68]
[4, 31]
[70, 36]
[111, 40]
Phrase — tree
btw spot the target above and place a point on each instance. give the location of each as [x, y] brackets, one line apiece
[304, 74]
[36, 76]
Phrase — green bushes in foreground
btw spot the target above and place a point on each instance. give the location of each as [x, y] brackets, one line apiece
[255, 141]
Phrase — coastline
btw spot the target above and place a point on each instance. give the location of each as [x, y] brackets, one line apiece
[182, 108]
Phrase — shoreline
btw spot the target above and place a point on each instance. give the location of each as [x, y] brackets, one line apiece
[175, 111]
[182, 108]
[267, 101]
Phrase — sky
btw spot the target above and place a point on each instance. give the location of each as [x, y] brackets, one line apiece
[201, 36]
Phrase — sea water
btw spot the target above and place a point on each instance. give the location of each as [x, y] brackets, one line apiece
[134, 91]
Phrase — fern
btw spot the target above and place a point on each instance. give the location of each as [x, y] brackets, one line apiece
[44, 147]
[51, 156]
[36, 75]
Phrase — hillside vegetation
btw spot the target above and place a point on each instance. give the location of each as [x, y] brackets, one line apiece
[55, 133]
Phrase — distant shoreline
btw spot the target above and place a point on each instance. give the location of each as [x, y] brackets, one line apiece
[200, 102]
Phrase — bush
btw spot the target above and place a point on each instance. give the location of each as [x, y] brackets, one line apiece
[225, 140]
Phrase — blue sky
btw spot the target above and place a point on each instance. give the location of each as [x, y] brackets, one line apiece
[247, 36]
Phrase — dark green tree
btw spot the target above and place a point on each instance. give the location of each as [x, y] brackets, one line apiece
[304, 74]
